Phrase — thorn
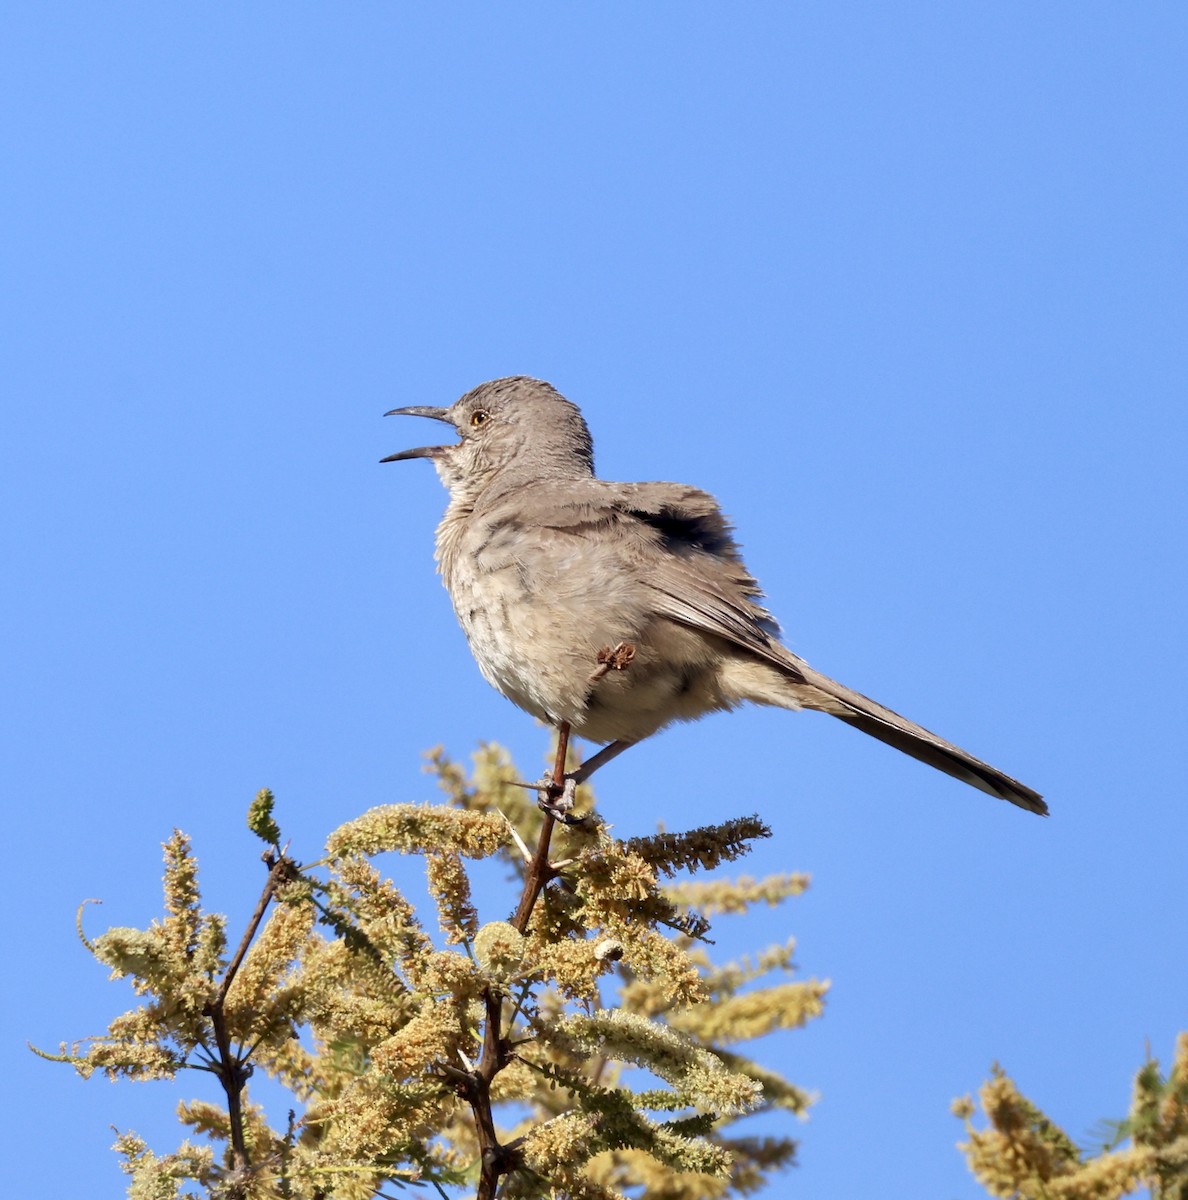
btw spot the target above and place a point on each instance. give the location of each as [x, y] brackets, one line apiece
[516, 836]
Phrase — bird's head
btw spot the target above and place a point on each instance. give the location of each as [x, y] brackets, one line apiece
[514, 430]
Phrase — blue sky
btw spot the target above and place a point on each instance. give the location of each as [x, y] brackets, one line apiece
[903, 285]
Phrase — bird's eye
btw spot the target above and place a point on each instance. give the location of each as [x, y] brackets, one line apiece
[479, 417]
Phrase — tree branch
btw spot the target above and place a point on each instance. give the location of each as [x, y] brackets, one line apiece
[497, 1160]
[539, 872]
[233, 1070]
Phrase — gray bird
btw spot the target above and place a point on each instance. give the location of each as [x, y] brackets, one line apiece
[552, 572]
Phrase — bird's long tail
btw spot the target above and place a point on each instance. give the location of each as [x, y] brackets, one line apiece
[827, 695]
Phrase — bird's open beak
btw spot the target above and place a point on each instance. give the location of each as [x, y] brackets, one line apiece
[419, 410]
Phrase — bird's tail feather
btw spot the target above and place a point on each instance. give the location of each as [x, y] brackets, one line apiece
[888, 726]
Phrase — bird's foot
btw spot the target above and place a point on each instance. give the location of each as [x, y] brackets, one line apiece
[557, 799]
[613, 658]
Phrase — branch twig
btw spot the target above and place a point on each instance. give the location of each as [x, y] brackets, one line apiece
[232, 1069]
[539, 872]
[280, 869]
[496, 1160]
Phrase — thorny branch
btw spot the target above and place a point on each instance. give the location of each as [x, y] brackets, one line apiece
[496, 1160]
[539, 872]
[233, 1069]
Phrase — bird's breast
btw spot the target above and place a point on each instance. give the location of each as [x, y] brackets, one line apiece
[537, 606]
[498, 602]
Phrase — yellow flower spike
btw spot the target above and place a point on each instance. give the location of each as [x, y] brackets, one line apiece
[500, 948]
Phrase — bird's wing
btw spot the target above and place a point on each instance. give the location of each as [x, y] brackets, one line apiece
[693, 566]
[682, 548]
[671, 541]
[700, 580]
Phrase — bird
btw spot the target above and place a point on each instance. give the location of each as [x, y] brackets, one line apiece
[615, 609]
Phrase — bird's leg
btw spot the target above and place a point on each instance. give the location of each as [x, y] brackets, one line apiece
[612, 750]
[556, 797]
[557, 792]
[612, 658]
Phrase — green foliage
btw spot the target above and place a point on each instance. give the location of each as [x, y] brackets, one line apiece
[1022, 1154]
[588, 1047]
[260, 820]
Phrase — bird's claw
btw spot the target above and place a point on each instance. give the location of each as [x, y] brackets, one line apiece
[557, 799]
